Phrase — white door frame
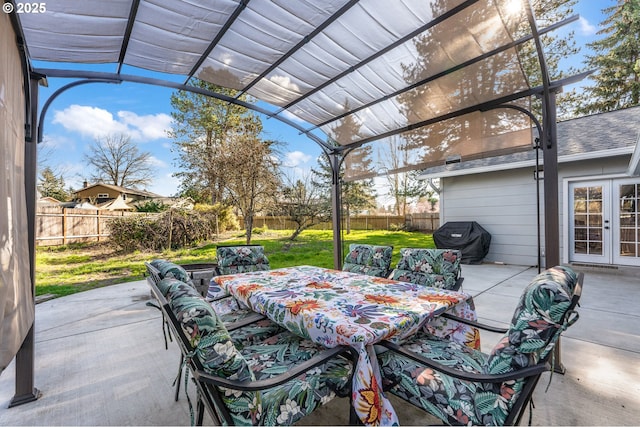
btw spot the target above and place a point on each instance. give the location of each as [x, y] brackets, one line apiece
[596, 227]
[611, 212]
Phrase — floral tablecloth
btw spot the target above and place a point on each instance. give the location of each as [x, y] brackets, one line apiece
[334, 307]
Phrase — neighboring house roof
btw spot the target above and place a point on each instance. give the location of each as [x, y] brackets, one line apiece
[48, 201]
[117, 188]
[591, 137]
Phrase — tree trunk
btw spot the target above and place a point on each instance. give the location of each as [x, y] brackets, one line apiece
[248, 227]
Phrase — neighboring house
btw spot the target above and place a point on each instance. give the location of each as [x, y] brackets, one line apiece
[599, 194]
[48, 201]
[100, 194]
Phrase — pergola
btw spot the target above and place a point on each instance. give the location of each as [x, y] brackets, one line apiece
[432, 79]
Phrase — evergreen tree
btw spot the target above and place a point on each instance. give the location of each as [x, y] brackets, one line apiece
[52, 185]
[617, 62]
[203, 127]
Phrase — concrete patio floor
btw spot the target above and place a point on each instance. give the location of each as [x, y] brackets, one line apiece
[100, 357]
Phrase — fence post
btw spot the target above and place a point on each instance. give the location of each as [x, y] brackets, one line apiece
[64, 226]
[98, 224]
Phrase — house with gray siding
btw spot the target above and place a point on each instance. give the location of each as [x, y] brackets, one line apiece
[599, 194]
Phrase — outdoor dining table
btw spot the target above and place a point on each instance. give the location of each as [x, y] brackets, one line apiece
[333, 307]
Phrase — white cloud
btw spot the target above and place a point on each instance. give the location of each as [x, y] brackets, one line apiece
[586, 28]
[151, 126]
[97, 122]
[156, 162]
[296, 158]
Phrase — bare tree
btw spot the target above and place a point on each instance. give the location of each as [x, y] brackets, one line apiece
[403, 186]
[118, 161]
[304, 203]
[251, 175]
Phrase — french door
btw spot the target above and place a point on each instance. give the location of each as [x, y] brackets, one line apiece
[604, 224]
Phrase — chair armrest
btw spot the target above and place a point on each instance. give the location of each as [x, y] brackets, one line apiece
[468, 376]
[475, 324]
[300, 369]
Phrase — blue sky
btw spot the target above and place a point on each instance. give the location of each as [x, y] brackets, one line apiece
[80, 115]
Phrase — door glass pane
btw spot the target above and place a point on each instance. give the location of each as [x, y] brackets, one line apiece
[580, 247]
[580, 206]
[595, 220]
[627, 219]
[588, 220]
[595, 193]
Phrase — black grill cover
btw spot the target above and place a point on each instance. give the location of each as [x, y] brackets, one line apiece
[468, 237]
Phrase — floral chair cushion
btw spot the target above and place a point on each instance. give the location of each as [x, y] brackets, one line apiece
[368, 259]
[253, 333]
[439, 268]
[233, 260]
[537, 322]
[240, 259]
[534, 326]
[209, 338]
[255, 358]
[176, 288]
[289, 402]
[169, 269]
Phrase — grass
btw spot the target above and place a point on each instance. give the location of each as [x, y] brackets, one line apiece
[64, 270]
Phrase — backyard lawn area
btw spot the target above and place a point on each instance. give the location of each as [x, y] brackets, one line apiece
[64, 270]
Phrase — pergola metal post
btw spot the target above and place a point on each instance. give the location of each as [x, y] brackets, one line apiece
[335, 159]
[24, 384]
[551, 209]
[550, 161]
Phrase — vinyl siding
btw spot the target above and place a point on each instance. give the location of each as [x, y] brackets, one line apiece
[504, 203]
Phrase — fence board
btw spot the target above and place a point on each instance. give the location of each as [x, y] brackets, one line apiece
[56, 225]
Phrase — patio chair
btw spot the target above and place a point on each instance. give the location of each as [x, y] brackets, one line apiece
[273, 382]
[245, 325]
[368, 259]
[460, 385]
[439, 268]
[233, 260]
[241, 259]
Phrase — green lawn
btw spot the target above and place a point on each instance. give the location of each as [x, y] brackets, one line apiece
[69, 269]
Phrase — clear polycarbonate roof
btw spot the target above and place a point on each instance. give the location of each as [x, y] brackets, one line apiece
[416, 76]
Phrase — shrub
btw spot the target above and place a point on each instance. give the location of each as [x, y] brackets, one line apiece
[151, 206]
[260, 230]
[173, 229]
[131, 233]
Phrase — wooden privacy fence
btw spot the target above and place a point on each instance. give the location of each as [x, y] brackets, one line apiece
[418, 222]
[56, 225]
[423, 221]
